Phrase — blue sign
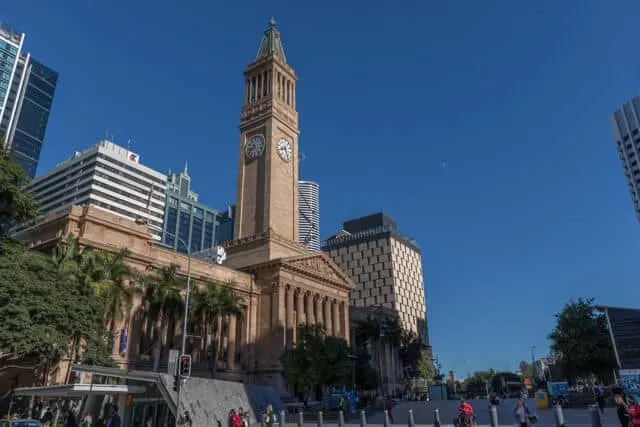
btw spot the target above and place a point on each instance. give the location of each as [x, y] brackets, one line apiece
[559, 388]
[334, 394]
[630, 382]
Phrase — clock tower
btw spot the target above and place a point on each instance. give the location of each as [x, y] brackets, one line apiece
[267, 194]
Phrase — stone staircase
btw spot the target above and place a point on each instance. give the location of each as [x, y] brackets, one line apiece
[210, 400]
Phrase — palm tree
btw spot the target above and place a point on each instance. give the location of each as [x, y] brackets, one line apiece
[165, 304]
[96, 273]
[112, 286]
[210, 304]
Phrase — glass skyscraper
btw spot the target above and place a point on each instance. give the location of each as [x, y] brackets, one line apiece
[193, 223]
[27, 88]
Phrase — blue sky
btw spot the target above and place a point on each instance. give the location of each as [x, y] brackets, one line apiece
[513, 97]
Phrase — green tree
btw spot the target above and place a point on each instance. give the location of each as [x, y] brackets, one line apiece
[366, 375]
[425, 368]
[580, 341]
[165, 304]
[317, 361]
[527, 369]
[16, 204]
[211, 303]
[41, 312]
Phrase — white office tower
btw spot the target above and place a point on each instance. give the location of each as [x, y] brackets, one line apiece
[106, 176]
[309, 214]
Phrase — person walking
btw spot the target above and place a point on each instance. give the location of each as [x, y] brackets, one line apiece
[598, 391]
[521, 413]
[624, 414]
[269, 417]
[344, 407]
[114, 419]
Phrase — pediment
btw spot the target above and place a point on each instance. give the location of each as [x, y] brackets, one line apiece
[320, 265]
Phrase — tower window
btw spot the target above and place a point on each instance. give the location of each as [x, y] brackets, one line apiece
[252, 95]
[264, 84]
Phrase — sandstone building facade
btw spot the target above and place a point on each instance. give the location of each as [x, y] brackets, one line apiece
[281, 284]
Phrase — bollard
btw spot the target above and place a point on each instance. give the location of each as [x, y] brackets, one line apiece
[436, 417]
[300, 418]
[557, 410]
[412, 422]
[320, 419]
[340, 418]
[281, 420]
[493, 416]
[363, 419]
[596, 421]
[386, 418]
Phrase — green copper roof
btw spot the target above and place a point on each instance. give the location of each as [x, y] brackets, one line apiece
[271, 43]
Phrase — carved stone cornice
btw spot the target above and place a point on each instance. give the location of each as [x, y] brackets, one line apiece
[262, 237]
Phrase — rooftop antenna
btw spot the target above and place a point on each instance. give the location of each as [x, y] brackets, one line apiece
[129, 144]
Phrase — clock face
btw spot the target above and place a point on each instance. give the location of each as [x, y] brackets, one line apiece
[284, 149]
[255, 147]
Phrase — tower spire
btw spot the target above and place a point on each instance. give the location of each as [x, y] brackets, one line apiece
[186, 167]
[271, 43]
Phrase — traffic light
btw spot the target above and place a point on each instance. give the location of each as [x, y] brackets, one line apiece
[176, 383]
[185, 366]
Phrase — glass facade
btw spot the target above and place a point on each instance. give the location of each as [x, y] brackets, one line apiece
[193, 223]
[33, 116]
[10, 45]
[27, 88]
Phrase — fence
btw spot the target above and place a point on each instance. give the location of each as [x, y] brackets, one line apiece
[494, 421]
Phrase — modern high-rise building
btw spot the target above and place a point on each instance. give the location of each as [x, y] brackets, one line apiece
[186, 221]
[626, 129]
[27, 88]
[309, 214]
[107, 176]
[386, 267]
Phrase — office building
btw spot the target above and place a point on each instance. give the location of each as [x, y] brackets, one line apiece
[623, 325]
[309, 215]
[27, 88]
[109, 177]
[186, 221]
[386, 267]
[626, 129]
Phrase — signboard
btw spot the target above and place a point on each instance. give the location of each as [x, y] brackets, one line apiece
[630, 382]
[172, 367]
[559, 388]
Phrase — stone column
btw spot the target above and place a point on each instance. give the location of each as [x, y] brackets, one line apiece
[290, 324]
[231, 342]
[300, 308]
[345, 324]
[319, 314]
[335, 318]
[277, 315]
[327, 316]
[311, 319]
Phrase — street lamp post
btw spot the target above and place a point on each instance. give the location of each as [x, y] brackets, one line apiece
[533, 361]
[186, 310]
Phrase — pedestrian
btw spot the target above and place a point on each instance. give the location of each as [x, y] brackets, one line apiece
[236, 419]
[187, 419]
[634, 410]
[521, 413]
[244, 416]
[70, 419]
[269, 417]
[624, 415]
[598, 391]
[343, 406]
[114, 418]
